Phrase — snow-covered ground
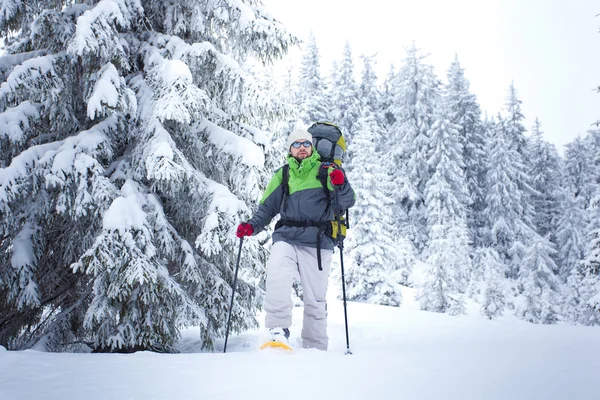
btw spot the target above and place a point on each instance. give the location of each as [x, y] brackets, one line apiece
[399, 353]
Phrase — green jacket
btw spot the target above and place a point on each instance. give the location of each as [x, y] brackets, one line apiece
[307, 201]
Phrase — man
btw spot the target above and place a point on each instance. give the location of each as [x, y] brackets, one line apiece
[305, 211]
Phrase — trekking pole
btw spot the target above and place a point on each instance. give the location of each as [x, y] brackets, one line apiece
[341, 247]
[237, 266]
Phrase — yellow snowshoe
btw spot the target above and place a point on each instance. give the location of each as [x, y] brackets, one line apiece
[278, 339]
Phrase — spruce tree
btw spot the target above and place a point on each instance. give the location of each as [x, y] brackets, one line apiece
[311, 96]
[378, 260]
[504, 199]
[538, 283]
[488, 281]
[570, 235]
[546, 182]
[580, 170]
[374, 256]
[136, 159]
[509, 214]
[346, 108]
[515, 134]
[416, 97]
[593, 138]
[370, 95]
[387, 99]
[465, 113]
[515, 129]
[446, 198]
[587, 277]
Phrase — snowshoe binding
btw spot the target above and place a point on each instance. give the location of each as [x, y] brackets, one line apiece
[279, 339]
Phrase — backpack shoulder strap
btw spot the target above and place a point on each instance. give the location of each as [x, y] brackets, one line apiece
[285, 184]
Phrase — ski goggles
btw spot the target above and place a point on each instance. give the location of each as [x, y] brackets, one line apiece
[297, 145]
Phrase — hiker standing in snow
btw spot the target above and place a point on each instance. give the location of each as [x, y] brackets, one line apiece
[302, 240]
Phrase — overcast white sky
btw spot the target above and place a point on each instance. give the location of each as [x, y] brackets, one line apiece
[550, 48]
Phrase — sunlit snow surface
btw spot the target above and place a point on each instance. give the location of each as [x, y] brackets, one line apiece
[399, 353]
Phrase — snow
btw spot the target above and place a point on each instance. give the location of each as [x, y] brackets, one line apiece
[125, 213]
[171, 70]
[397, 353]
[105, 91]
[19, 167]
[31, 69]
[63, 161]
[16, 59]
[15, 121]
[246, 16]
[223, 200]
[22, 248]
[225, 64]
[176, 96]
[259, 137]
[160, 149]
[211, 222]
[174, 70]
[87, 37]
[248, 152]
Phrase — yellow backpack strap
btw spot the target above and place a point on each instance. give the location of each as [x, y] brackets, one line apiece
[342, 143]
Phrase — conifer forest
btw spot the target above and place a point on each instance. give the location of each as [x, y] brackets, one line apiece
[136, 134]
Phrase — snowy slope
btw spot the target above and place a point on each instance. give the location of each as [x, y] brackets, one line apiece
[399, 353]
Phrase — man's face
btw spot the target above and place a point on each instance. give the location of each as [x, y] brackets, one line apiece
[301, 149]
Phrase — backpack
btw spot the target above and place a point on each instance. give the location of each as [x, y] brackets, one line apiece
[329, 142]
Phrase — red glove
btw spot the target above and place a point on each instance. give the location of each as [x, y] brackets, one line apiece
[244, 229]
[337, 177]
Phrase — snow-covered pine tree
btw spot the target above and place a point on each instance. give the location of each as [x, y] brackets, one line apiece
[416, 97]
[504, 209]
[311, 96]
[387, 98]
[465, 113]
[369, 93]
[281, 87]
[135, 142]
[546, 182]
[488, 282]
[509, 226]
[571, 295]
[345, 99]
[593, 138]
[580, 170]
[514, 120]
[515, 133]
[529, 255]
[570, 235]
[493, 301]
[579, 184]
[538, 283]
[446, 199]
[585, 277]
[373, 253]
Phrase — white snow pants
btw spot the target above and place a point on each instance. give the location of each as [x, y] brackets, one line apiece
[285, 263]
